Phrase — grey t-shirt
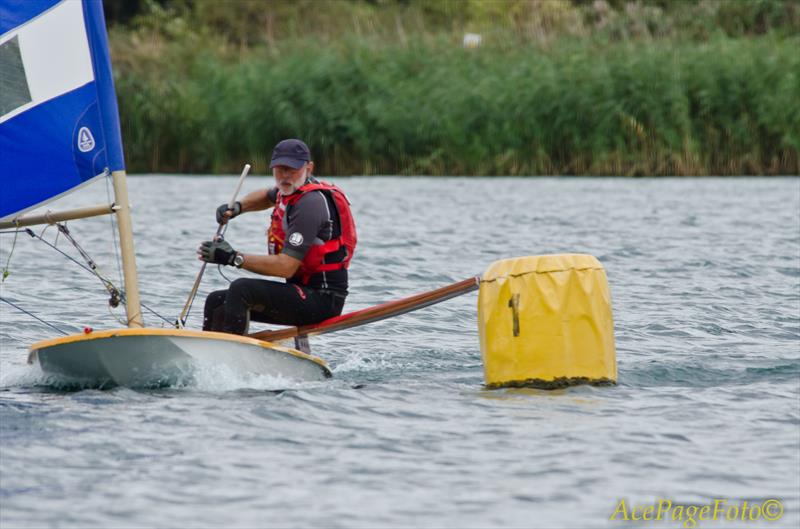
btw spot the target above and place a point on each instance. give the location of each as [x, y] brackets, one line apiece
[312, 220]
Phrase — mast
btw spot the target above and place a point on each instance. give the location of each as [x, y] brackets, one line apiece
[109, 116]
[132, 305]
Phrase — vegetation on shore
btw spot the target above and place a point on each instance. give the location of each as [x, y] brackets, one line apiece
[386, 87]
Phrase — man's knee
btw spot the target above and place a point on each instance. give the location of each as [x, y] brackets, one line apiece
[239, 286]
[214, 311]
[215, 299]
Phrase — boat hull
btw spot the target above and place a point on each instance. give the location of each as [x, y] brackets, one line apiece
[146, 358]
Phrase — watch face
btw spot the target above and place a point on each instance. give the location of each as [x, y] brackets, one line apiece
[238, 260]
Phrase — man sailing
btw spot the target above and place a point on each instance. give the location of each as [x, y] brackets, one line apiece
[311, 240]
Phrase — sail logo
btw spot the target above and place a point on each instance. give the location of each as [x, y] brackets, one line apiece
[85, 140]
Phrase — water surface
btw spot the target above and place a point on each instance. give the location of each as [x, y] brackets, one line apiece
[705, 280]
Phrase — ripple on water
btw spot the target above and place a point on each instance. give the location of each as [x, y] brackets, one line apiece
[704, 280]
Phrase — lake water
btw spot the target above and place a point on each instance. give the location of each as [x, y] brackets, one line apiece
[705, 281]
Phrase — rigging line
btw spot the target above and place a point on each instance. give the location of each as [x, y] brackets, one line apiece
[112, 220]
[178, 322]
[119, 320]
[113, 291]
[138, 315]
[8, 261]
[219, 269]
[56, 248]
[58, 234]
[191, 303]
[34, 316]
[154, 313]
[93, 272]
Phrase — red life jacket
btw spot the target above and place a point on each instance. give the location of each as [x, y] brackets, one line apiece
[314, 261]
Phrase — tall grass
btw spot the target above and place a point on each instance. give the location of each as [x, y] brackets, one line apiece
[428, 106]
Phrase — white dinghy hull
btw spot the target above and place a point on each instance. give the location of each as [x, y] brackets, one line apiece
[147, 358]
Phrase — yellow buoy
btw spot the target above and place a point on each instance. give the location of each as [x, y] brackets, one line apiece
[545, 321]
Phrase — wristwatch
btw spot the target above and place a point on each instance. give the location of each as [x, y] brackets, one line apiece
[238, 261]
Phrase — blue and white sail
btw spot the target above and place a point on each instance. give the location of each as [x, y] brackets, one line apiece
[59, 122]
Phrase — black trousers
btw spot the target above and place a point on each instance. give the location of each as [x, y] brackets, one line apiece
[268, 302]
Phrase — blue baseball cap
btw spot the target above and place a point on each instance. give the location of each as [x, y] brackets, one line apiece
[291, 153]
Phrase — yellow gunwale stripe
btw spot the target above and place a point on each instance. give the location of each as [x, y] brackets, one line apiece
[181, 333]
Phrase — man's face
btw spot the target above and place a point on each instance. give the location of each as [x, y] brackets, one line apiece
[290, 180]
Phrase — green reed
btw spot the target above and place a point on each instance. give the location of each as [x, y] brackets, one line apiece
[429, 106]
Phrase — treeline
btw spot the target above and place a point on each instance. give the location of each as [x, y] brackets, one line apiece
[386, 86]
[249, 23]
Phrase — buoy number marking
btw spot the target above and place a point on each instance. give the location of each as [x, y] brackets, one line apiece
[513, 303]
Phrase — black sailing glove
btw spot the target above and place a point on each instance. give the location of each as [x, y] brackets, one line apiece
[223, 208]
[219, 252]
